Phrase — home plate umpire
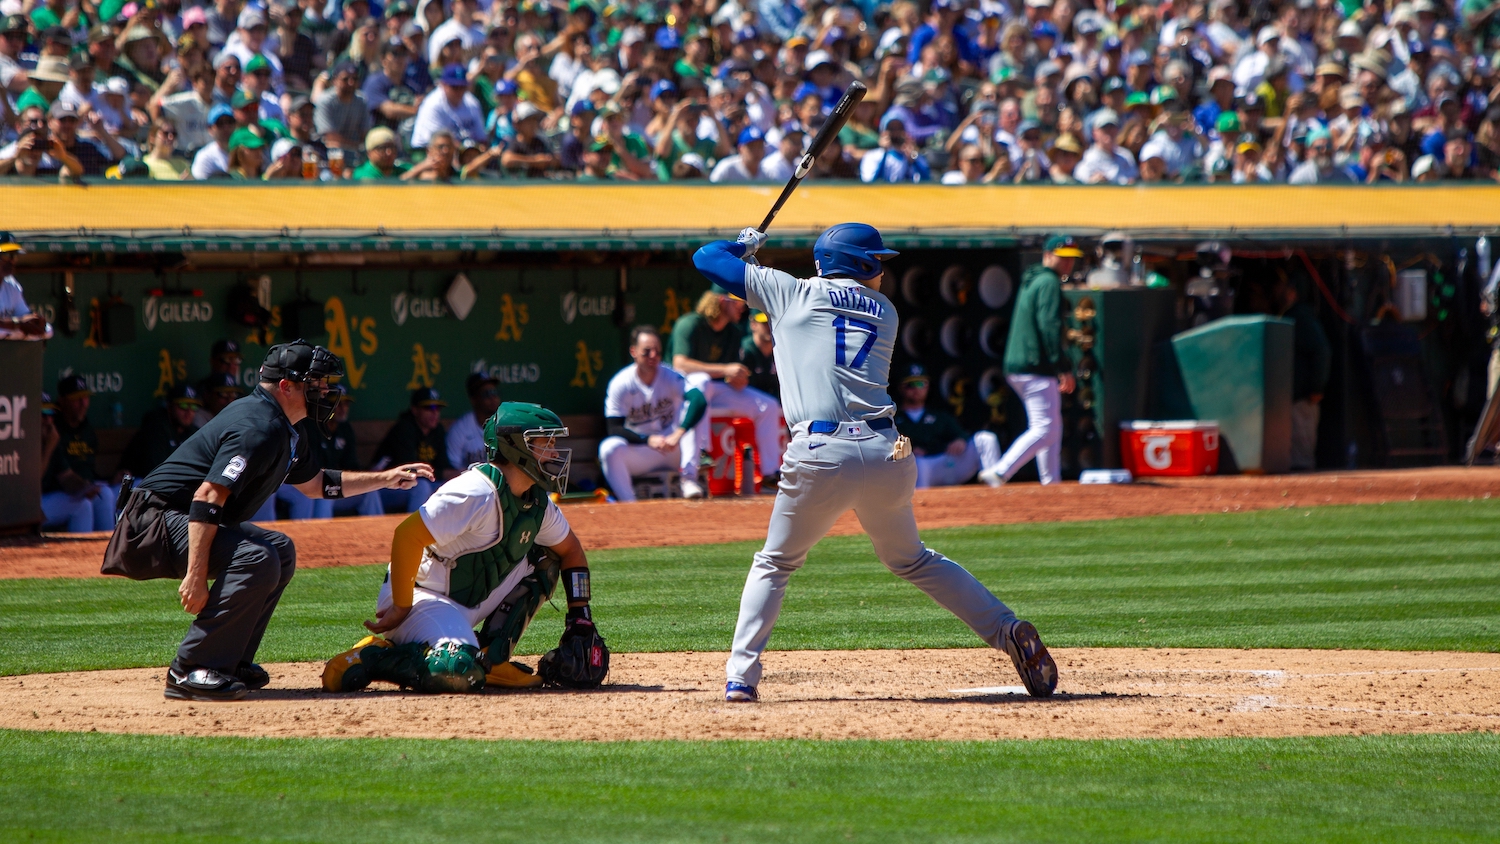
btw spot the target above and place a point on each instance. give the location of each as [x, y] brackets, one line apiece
[186, 519]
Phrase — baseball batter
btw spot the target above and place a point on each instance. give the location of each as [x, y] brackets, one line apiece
[834, 335]
[484, 551]
[648, 409]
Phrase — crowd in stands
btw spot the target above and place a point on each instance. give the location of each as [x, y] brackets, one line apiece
[960, 91]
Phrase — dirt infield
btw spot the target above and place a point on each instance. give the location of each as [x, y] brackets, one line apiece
[359, 541]
[927, 694]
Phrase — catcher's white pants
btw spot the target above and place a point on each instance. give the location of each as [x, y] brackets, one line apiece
[724, 400]
[622, 461]
[435, 617]
[822, 477]
[1043, 436]
[942, 470]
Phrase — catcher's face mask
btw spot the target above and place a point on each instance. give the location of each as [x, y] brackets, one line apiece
[552, 461]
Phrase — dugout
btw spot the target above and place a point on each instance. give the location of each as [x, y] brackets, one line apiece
[538, 285]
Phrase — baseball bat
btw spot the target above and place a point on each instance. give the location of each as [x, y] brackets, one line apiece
[825, 136]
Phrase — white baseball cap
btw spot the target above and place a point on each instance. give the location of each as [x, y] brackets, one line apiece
[117, 85]
[282, 147]
[523, 111]
[817, 57]
[1267, 33]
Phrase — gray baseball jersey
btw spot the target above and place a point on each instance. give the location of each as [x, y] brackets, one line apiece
[834, 339]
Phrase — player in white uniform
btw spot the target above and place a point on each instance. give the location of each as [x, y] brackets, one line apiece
[487, 548]
[834, 337]
[648, 409]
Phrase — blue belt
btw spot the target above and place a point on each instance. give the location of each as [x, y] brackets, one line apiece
[820, 427]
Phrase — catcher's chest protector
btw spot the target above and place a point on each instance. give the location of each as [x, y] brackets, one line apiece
[477, 574]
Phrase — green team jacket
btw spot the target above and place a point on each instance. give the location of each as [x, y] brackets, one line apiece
[1034, 346]
[476, 575]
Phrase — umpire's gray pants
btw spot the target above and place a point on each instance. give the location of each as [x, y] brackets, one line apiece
[822, 476]
[250, 567]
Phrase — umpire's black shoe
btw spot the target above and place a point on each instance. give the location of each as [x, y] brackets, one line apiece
[252, 675]
[203, 684]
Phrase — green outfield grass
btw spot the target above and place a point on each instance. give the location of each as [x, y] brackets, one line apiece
[1418, 575]
[92, 787]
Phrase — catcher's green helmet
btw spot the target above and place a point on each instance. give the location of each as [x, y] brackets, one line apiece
[524, 434]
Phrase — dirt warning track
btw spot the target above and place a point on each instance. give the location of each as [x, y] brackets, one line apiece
[916, 694]
[361, 541]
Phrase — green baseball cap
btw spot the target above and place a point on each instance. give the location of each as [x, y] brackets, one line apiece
[257, 63]
[600, 143]
[1228, 123]
[243, 98]
[1137, 98]
[247, 138]
[1063, 246]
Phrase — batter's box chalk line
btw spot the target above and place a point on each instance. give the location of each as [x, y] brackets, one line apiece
[991, 690]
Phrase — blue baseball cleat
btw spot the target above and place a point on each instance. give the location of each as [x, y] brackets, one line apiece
[1036, 667]
[740, 693]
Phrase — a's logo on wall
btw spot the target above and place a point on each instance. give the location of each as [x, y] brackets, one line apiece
[154, 310]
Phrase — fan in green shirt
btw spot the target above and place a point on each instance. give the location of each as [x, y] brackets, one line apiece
[383, 149]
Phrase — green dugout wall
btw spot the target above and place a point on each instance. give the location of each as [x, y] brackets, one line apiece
[553, 336]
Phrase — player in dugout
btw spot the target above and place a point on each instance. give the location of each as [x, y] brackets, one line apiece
[706, 351]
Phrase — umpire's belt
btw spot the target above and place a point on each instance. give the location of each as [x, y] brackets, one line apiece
[843, 429]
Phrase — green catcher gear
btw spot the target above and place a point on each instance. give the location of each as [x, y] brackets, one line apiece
[508, 622]
[448, 666]
[525, 434]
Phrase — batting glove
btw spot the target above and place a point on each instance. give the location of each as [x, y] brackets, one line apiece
[752, 239]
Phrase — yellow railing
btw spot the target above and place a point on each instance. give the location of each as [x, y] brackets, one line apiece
[605, 210]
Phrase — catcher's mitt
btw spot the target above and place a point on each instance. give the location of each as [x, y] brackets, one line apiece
[580, 660]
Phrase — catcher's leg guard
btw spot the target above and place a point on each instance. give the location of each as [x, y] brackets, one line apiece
[508, 622]
[347, 671]
[449, 666]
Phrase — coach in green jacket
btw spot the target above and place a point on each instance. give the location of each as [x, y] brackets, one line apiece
[1034, 364]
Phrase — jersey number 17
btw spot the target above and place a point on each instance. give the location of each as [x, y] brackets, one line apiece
[842, 326]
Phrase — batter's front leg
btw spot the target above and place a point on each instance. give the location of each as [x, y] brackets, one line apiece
[800, 517]
[884, 510]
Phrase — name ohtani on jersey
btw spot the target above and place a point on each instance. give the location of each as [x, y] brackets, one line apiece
[850, 299]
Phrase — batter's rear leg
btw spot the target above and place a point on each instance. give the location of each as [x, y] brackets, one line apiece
[887, 518]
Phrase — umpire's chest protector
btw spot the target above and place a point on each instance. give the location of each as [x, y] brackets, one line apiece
[475, 575]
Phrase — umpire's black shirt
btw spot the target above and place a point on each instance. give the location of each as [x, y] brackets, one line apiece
[249, 447]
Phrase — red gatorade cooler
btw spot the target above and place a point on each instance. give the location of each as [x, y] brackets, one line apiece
[1162, 449]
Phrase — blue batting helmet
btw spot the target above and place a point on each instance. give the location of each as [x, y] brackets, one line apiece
[852, 250]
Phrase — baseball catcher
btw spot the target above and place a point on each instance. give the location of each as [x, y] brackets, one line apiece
[485, 551]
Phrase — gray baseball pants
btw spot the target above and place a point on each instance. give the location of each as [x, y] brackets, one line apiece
[822, 477]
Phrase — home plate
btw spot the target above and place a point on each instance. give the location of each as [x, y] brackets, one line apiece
[991, 690]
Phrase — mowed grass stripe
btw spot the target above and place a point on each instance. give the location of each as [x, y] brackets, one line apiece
[93, 787]
[1408, 576]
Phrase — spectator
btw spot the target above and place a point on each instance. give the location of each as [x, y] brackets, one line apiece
[217, 392]
[36, 152]
[162, 159]
[256, 82]
[248, 41]
[212, 161]
[778, 166]
[391, 100]
[577, 138]
[896, 159]
[15, 315]
[417, 437]
[1106, 162]
[73, 498]
[528, 154]
[441, 163]
[648, 411]
[705, 350]
[247, 155]
[285, 160]
[382, 151]
[452, 109]
[1177, 142]
[744, 166]
[188, 110]
[293, 47]
[340, 114]
[63, 122]
[161, 431]
[1319, 168]
[1066, 152]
